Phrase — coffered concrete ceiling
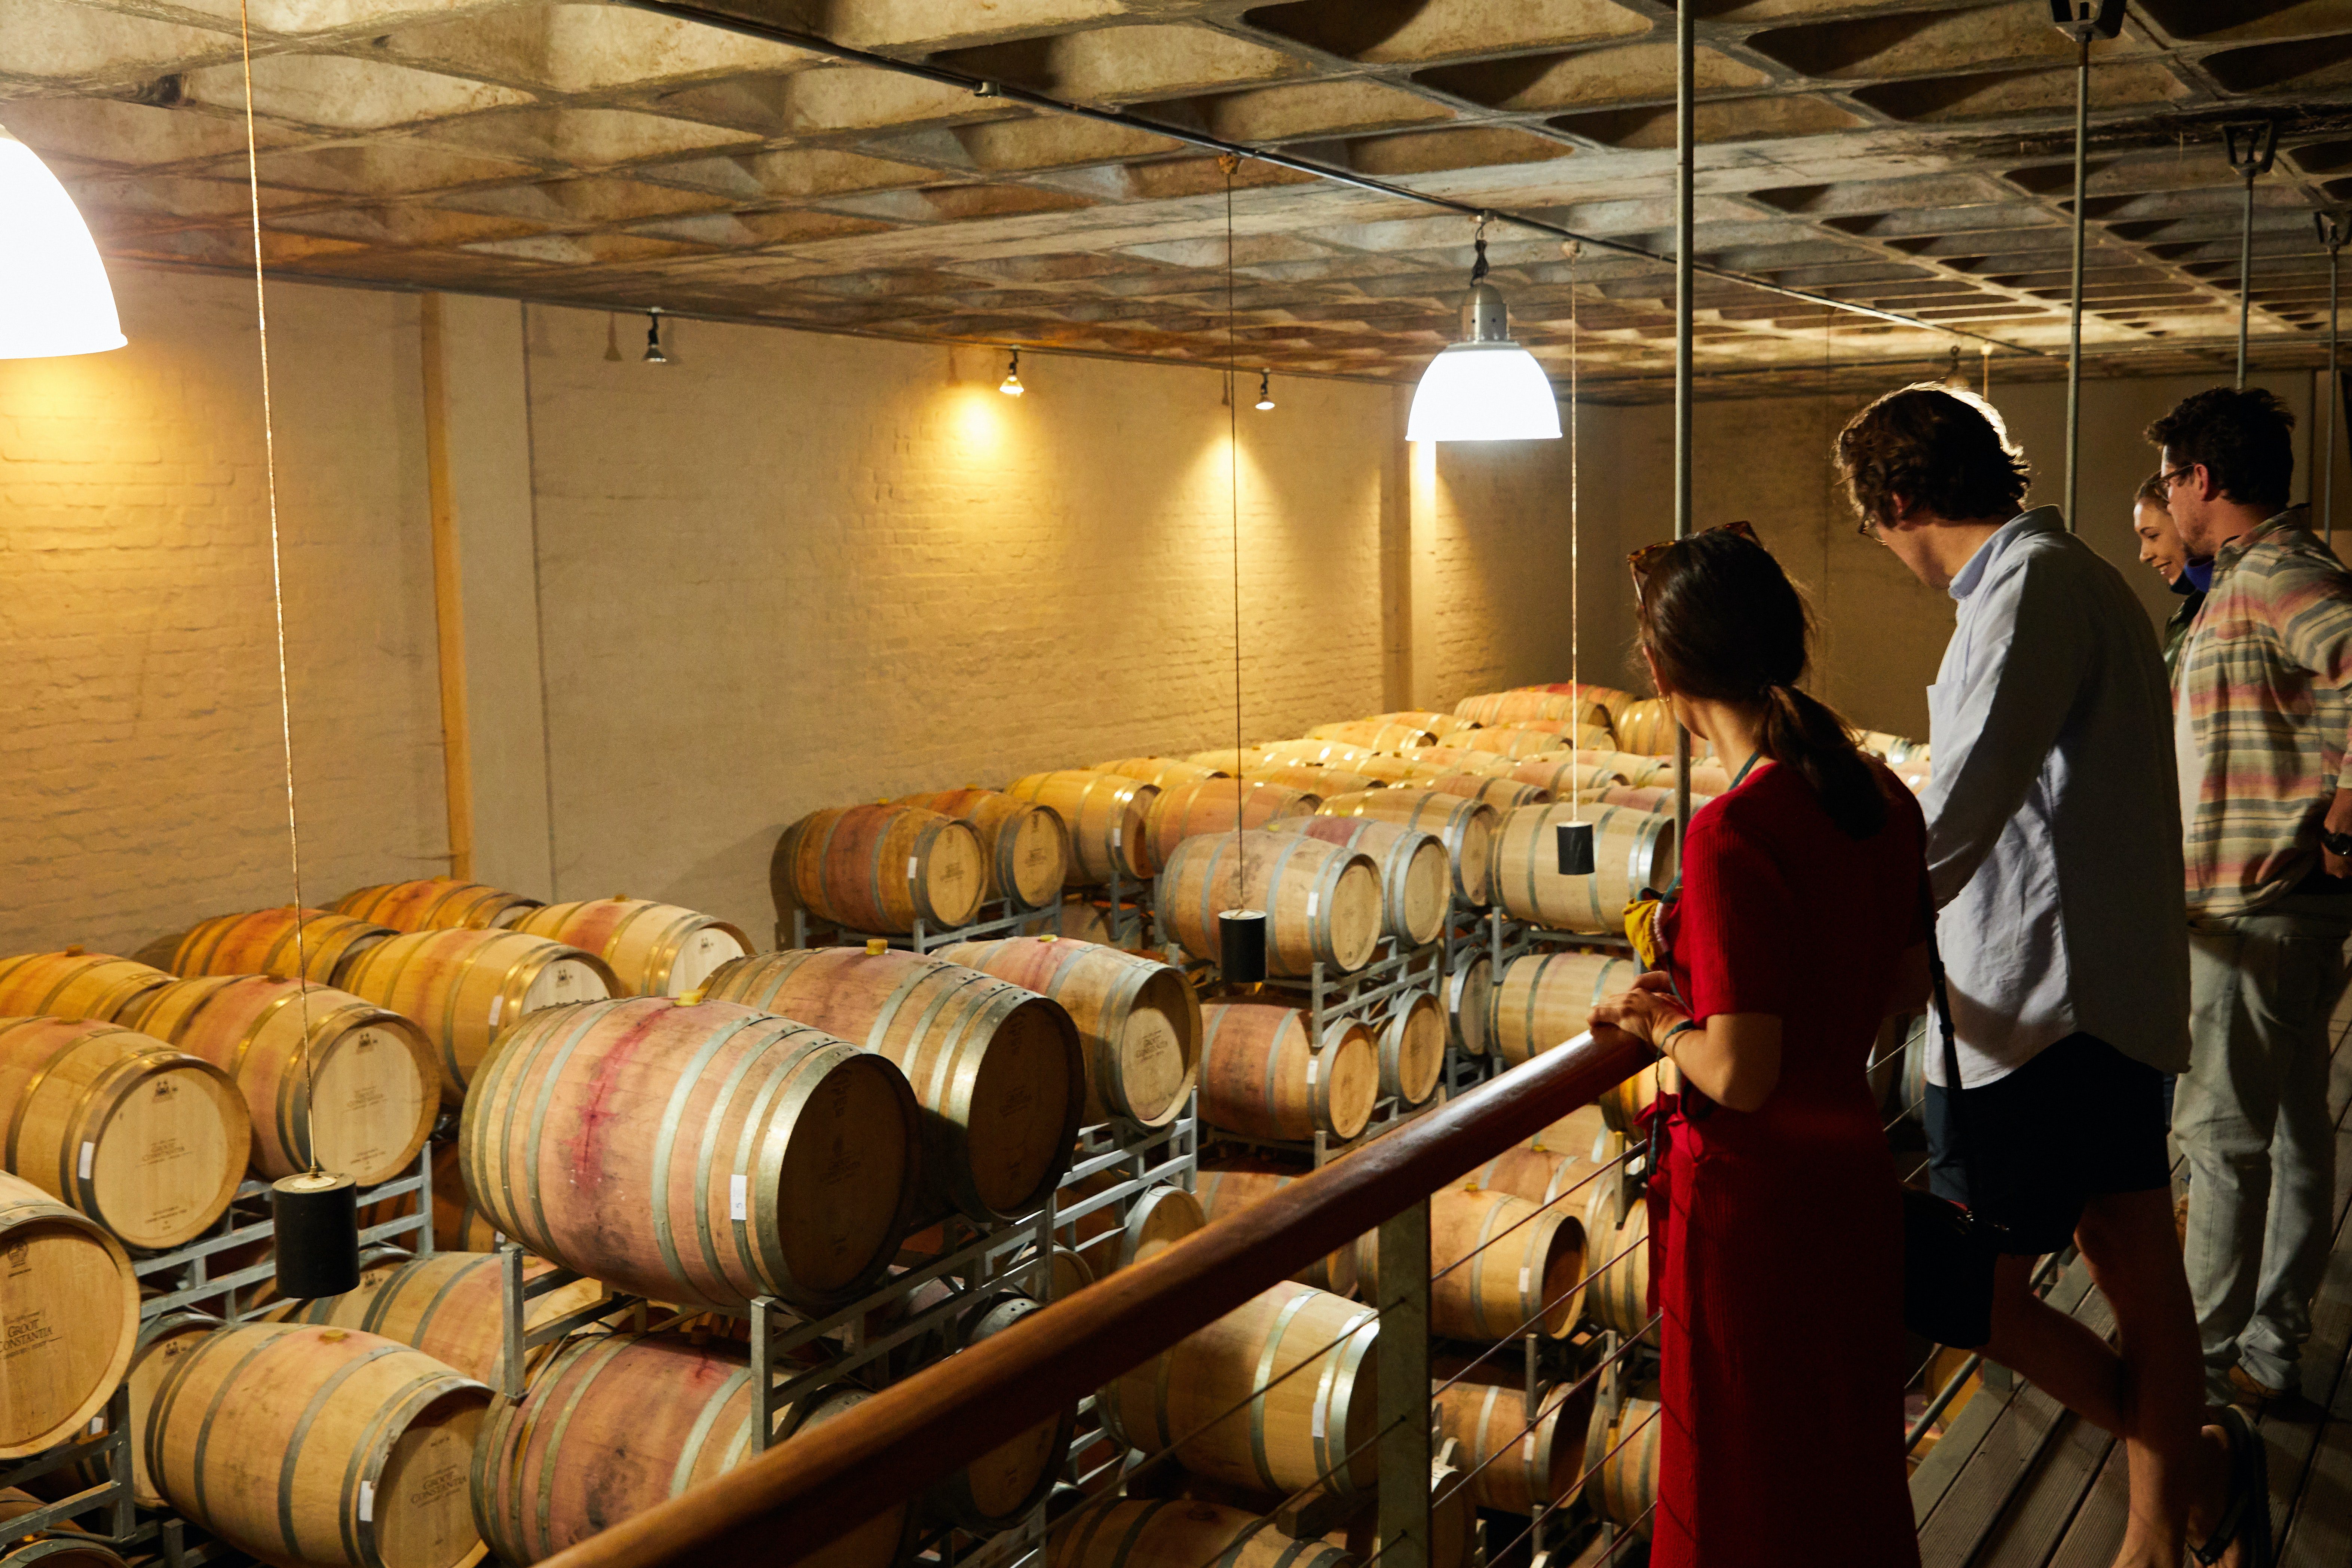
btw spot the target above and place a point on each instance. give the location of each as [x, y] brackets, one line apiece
[1909, 154]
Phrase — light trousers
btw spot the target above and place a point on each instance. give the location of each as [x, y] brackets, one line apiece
[2251, 1116]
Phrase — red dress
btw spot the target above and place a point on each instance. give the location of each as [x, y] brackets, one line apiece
[1781, 1230]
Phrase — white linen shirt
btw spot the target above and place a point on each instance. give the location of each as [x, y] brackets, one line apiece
[2054, 815]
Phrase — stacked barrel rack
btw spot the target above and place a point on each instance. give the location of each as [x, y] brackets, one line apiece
[1420, 943]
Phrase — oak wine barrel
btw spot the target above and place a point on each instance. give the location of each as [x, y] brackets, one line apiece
[265, 942]
[1508, 707]
[1161, 773]
[1104, 814]
[1623, 1456]
[1505, 794]
[1388, 769]
[1137, 1019]
[1648, 797]
[1309, 753]
[1314, 783]
[880, 867]
[1609, 697]
[1161, 1216]
[1082, 919]
[1513, 1469]
[1411, 1045]
[1233, 1188]
[1227, 1400]
[700, 1153]
[1545, 999]
[616, 1423]
[1231, 761]
[1261, 1078]
[1464, 758]
[162, 1341]
[1375, 734]
[362, 1078]
[1500, 1267]
[1631, 850]
[66, 1545]
[1453, 1524]
[1322, 901]
[1435, 725]
[1416, 879]
[998, 1071]
[653, 950]
[996, 1490]
[1570, 1179]
[319, 1446]
[1183, 1533]
[1568, 731]
[1647, 726]
[1024, 849]
[1619, 1294]
[1466, 828]
[1468, 990]
[74, 985]
[1218, 805]
[1565, 780]
[69, 1313]
[451, 1306]
[143, 1138]
[435, 903]
[467, 988]
[459, 1224]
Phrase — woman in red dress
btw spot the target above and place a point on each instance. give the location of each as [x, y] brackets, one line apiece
[1798, 925]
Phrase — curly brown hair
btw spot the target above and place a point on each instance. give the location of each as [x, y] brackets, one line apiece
[2243, 435]
[1935, 447]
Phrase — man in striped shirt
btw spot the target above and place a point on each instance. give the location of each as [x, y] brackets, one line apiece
[2263, 707]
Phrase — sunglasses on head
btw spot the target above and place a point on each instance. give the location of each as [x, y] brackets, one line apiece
[1643, 559]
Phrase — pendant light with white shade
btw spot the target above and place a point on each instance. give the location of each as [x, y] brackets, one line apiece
[1485, 387]
[54, 296]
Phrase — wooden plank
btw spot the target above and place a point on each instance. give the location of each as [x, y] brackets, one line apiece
[2038, 1517]
[2097, 1531]
[2311, 1480]
[449, 607]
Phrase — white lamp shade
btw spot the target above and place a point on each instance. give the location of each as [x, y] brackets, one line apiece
[1484, 392]
[54, 297]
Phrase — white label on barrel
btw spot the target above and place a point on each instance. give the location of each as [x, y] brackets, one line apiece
[97, 1424]
[910, 868]
[1315, 1429]
[1528, 1452]
[1311, 1062]
[497, 1005]
[1311, 897]
[89, 1151]
[1114, 830]
[739, 1197]
[1523, 1281]
[367, 1502]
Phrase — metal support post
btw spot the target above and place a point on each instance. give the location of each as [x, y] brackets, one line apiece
[2250, 149]
[2075, 315]
[510, 1276]
[2334, 229]
[763, 1378]
[1402, 1358]
[1685, 228]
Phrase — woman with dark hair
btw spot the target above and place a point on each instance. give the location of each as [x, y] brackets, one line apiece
[1799, 924]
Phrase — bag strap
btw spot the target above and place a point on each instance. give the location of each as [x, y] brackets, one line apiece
[1942, 1006]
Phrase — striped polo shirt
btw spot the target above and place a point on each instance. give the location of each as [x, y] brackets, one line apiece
[2262, 709]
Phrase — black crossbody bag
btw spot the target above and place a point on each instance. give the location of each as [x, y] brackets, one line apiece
[1947, 1252]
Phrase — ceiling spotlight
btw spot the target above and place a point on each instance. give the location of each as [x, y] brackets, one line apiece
[59, 299]
[1485, 387]
[653, 354]
[1011, 386]
[1264, 391]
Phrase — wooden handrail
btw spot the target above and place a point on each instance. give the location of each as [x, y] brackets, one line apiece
[808, 1492]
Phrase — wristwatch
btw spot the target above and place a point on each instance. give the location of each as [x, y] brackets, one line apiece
[2336, 842]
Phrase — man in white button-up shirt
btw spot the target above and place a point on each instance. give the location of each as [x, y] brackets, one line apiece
[2053, 846]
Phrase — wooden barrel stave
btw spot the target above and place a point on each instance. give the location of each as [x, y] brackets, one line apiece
[1104, 815]
[1322, 901]
[653, 950]
[1500, 1265]
[1416, 878]
[265, 942]
[1411, 1045]
[996, 1490]
[1138, 1017]
[1619, 1294]
[69, 1313]
[1218, 805]
[1388, 734]
[436, 903]
[880, 867]
[1505, 707]
[363, 1078]
[1545, 999]
[1505, 794]
[998, 1071]
[1217, 1401]
[1466, 827]
[1024, 848]
[1632, 850]
[467, 988]
[1622, 1458]
[1183, 1533]
[1514, 1470]
[1229, 1189]
[1260, 1077]
[74, 985]
[1161, 773]
[1469, 992]
[1646, 725]
[704, 1154]
[92, 1104]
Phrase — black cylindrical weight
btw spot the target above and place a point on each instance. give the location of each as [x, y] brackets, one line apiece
[317, 1219]
[1241, 946]
[1575, 848]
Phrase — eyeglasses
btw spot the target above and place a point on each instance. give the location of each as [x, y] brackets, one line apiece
[2173, 475]
[1641, 560]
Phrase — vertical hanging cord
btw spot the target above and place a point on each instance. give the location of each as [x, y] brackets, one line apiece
[278, 601]
[1228, 163]
[1575, 587]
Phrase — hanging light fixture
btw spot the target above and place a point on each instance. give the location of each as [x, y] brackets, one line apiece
[1011, 386]
[653, 354]
[1485, 387]
[57, 299]
[1264, 390]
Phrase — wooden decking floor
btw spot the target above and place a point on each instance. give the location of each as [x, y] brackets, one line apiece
[2018, 1482]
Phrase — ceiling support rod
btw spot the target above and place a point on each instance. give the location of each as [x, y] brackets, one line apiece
[2250, 149]
[1685, 235]
[688, 11]
[2081, 20]
[2334, 229]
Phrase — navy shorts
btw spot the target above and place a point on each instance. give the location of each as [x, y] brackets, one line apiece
[2080, 1121]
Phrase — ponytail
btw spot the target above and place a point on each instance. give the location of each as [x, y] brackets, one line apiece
[1800, 732]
